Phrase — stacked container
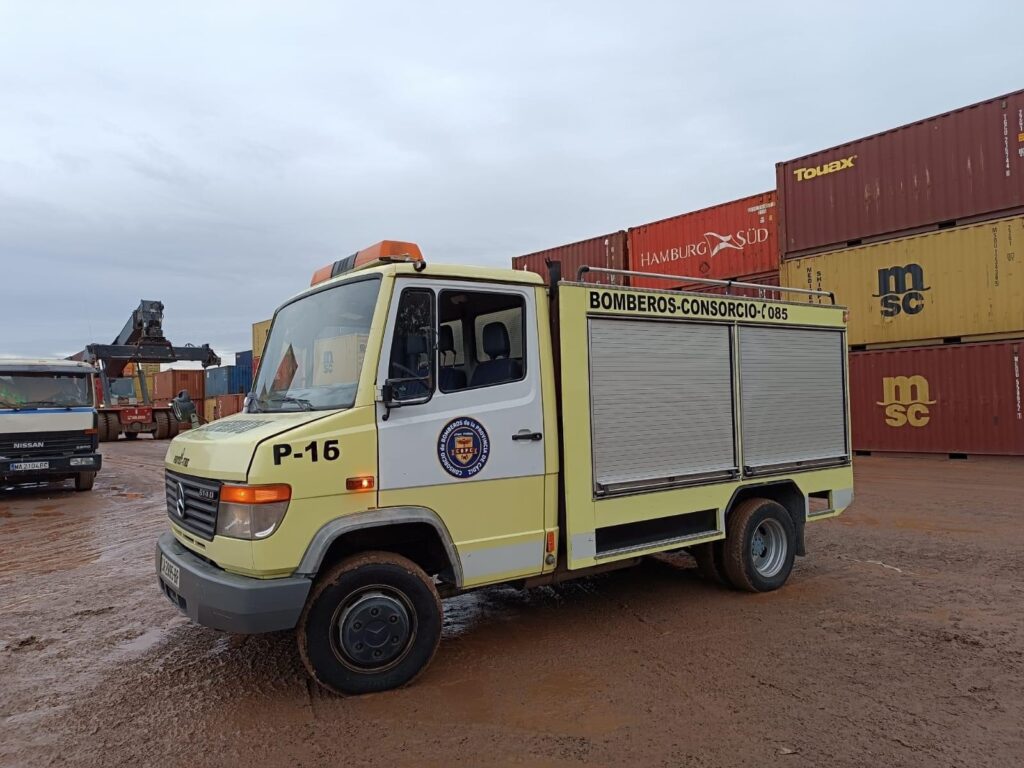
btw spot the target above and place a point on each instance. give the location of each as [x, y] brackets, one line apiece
[920, 232]
[732, 241]
[260, 332]
[167, 384]
[607, 251]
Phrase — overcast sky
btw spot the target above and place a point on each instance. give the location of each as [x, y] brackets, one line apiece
[212, 155]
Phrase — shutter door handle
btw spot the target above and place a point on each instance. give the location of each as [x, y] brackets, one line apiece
[525, 434]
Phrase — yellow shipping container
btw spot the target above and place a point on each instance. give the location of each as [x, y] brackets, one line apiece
[150, 369]
[210, 409]
[138, 386]
[967, 281]
[260, 331]
[339, 359]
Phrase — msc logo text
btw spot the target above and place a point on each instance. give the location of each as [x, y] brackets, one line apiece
[804, 174]
[906, 400]
[901, 289]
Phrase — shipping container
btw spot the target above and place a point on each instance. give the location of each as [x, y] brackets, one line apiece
[607, 251]
[241, 376]
[953, 399]
[260, 331]
[952, 168]
[218, 380]
[721, 242]
[765, 279]
[228, 405]
[210, 409]
[244, 358]
[150, 386]
[167, 384]
[951, 284]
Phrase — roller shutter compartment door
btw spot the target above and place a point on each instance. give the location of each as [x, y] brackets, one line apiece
[661, 403]
[792, 394]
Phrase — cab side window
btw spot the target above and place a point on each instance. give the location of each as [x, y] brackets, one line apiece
[411, 365]
[480, 339]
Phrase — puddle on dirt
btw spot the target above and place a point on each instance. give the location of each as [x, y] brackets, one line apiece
[143, 643]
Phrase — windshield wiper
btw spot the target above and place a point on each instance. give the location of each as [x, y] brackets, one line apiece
[302, 402]
[9, 404]
[52, 403]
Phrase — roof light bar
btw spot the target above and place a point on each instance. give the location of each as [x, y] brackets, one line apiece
[383, 252]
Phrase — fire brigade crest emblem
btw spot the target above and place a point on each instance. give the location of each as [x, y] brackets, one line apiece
[463, 447]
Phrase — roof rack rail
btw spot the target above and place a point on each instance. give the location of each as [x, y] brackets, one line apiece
[729, 284]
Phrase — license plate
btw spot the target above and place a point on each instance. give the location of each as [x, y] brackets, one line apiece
[22, 466]
[169, 572]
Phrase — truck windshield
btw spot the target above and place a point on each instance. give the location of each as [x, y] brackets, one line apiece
[44, 390]
[315, 351]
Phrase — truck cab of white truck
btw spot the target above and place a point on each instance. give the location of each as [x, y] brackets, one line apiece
[417, 431]
[48, 422]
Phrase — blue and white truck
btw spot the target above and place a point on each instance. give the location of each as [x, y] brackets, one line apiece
[48, 422]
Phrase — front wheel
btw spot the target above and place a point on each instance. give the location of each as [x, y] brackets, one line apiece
[84, 481]
[760, 545]
[372, 623]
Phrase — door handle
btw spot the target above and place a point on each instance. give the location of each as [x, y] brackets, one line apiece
[525, 434]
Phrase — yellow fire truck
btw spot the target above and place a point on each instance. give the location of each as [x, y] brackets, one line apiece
[417, 431]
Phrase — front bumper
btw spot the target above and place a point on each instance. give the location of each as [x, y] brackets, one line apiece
[56, 466]
[227, 601]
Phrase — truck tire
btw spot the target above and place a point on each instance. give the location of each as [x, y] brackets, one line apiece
[760, 545]
[104, 428]
[113, 427]
[163, 425]
[710, 562]
[175, 426]
[84, 481]
[371, 623]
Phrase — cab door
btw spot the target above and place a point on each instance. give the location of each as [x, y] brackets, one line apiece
[469, 445]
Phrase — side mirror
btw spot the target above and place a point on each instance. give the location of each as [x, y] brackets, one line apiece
[182, 407]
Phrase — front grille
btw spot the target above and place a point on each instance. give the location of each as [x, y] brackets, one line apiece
[28, 444]
[198, 512]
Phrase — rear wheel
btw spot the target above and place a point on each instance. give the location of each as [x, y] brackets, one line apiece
[371, 623]
[163, 425]
[760, 545]
[175, 426]
[84, 481]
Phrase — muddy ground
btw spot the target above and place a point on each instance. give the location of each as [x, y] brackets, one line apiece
[899, 640]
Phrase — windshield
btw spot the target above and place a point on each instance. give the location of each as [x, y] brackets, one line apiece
[315, 351]
[45, 390]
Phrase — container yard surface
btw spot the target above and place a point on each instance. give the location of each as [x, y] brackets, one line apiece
[607, 251]
[960, 165]
[957, 398]
[724, 241]
[899, 640]
[957, 283]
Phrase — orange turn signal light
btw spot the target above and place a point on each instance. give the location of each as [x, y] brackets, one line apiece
[550, 542]
[359, 483]
[255, 494]
[91, 431]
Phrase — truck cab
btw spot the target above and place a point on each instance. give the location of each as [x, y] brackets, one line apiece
[415, 432]
[48, 422]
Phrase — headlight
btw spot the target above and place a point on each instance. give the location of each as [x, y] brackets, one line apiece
[251, 511]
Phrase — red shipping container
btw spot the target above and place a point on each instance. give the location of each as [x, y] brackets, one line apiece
[766, 278]
[228, 405]
[167, 384]
[606, 251]
[954, 399]
[955, 168]
[721, 242]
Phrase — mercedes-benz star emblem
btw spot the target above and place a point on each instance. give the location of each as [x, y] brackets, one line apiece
[180, 505]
